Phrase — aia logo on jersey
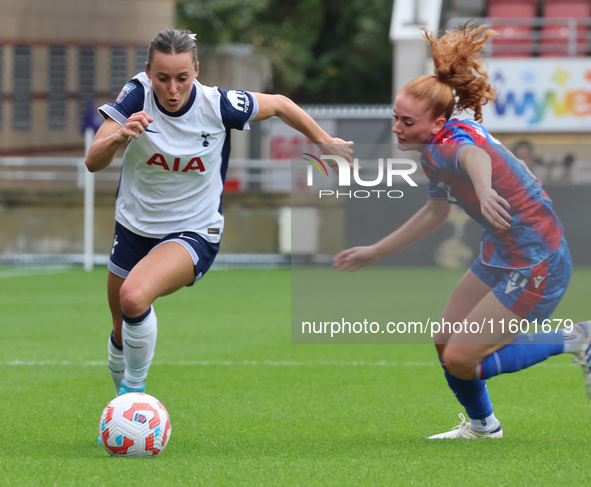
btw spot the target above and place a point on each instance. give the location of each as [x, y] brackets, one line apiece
[239, 100]
[177, 165]
[127, 89]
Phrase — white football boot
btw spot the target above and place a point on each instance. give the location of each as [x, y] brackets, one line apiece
[464, 430]
[583, 354]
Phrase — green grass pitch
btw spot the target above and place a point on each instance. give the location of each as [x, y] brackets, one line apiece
[250, 408]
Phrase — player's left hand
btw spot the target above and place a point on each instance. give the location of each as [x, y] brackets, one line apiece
[494, 208]
[338, 147]
[355, 258]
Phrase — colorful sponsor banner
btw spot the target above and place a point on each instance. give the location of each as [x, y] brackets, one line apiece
[540, 95]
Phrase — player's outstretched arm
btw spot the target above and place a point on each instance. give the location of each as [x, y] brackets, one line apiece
[292, 115]
[111, 136]
[425, 221]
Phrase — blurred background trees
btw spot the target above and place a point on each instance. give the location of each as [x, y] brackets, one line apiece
[322, 51]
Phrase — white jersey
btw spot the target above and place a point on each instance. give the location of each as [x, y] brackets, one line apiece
[173, 174]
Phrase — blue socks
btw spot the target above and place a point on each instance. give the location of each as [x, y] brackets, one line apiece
[526, 350]
[472, 394]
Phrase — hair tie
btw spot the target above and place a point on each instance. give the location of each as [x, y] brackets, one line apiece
[193, 36]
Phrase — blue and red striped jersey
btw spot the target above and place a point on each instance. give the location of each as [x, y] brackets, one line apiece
[535, 229]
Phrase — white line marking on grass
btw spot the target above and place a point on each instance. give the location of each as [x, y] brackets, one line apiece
[239, 363]
[42, 363]
[226, 363]
[31, 271]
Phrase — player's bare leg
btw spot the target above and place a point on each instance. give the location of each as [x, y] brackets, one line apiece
[491, 347]
[167, 268]
[467, 294]
[465, 350]
[472, 394]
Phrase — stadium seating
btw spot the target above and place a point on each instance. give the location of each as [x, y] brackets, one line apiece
[515, 37]
[554, 36]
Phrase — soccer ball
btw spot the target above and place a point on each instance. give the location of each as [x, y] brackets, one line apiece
[135, 425]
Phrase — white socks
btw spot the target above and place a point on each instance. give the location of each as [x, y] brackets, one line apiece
[139, 342]
[574, 339]
[485, 424]
[116, 363]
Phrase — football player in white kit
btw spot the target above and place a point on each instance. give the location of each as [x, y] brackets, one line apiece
[168, 214]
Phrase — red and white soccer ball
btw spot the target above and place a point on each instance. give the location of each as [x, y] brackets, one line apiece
[135, 425]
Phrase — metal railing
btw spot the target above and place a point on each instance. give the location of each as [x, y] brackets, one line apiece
[45, 181]
[64, 173]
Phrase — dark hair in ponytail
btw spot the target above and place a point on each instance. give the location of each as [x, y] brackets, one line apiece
[173, 41]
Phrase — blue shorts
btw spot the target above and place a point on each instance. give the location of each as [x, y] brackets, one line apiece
[129, 248]
[532, 293]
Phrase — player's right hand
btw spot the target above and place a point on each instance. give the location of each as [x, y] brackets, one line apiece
[355, 258]
[135, 125]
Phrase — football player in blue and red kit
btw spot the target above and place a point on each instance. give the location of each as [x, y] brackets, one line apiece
[525, 264]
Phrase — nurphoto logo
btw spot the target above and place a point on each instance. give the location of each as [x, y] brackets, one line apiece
[389, 170]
